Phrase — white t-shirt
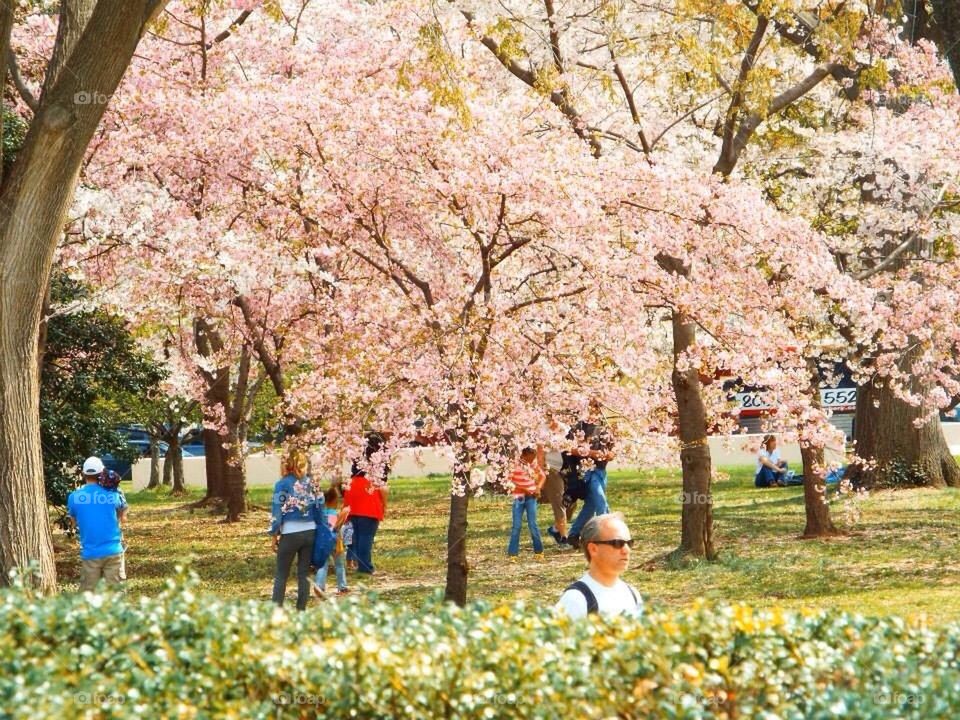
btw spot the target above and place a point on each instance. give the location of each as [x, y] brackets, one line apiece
[615, 600]
[554, 460]
[773, 457]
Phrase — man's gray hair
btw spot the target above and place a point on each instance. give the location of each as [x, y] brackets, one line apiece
[593, 527]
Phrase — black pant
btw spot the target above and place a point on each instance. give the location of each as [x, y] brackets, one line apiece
[301, 545]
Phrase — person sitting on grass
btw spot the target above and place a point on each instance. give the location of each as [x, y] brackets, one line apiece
[526, 479]
[771, 470]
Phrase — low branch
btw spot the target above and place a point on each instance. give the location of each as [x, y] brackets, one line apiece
[22, 88]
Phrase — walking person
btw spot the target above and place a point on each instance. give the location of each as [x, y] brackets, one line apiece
[606, 543]
[526, 478]
[336, 518]
[594, 448]
[368, 505]
[295, 512]
[99, 515]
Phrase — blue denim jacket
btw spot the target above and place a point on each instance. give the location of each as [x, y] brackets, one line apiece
[282, 491]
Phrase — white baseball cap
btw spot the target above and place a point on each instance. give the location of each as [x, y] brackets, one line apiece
[92, 466]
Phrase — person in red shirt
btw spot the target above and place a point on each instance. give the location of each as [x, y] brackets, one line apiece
[368, 504]
[526, 479]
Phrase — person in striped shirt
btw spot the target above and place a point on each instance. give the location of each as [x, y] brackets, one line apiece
[526, 478]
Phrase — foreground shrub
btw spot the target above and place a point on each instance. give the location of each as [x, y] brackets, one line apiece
[184, 654]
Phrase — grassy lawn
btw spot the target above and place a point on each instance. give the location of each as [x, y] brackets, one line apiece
[899, 556]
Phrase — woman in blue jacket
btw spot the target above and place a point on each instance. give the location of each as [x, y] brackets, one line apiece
[296, 509]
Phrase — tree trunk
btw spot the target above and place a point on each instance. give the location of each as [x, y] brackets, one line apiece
[91, 54]
[696, 537]
[947, 15]
[175, 458]
[457, 570]
[819, 523]
[235, 482]
[901, 452]
[167, 470]
[214, 464]
[154, 465]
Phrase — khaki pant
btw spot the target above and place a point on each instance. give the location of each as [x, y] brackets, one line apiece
[552, 492]
[110, 568]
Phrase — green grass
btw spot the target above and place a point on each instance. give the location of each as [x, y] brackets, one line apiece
[900, 556]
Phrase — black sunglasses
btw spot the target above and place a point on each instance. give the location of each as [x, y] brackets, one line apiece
[617, 543]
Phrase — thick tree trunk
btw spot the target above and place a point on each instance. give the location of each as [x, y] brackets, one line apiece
[175, 459]
[91, 54]
[900, 452]
[947, 15]
[457, 570]
[214, 464]
[235, 481]
[696, 537]
[819, 523]
[154, 465]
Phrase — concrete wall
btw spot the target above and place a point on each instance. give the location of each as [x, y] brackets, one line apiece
[726, 451]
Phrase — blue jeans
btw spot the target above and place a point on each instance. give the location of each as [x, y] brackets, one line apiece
[525, 505]
[339, 566]
[766, 477]
[364, 530]
[596, 501]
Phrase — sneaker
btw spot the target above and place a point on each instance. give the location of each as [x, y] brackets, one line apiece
[318, 592]
[573, 541]
[538, 557]
[555, 534]
[343, 591]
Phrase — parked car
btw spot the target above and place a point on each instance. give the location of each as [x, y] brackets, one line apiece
[138, 440]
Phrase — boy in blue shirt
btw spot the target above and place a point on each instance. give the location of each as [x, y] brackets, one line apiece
[98, 514]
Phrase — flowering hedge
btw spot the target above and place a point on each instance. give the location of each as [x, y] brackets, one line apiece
[184, 654]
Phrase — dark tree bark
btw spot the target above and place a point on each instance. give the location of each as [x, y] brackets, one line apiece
[175, 460]
[885, 434]
[457, 570]
[94, 45]
[214, 464]
[819, 523]
[947, 16]
[154, 465]
[696, 536]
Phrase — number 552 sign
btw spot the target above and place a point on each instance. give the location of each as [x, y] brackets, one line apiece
[830, 398]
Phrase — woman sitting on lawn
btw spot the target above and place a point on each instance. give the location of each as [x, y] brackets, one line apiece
[771, 470]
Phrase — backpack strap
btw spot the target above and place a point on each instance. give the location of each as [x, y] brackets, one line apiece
[636, 598]
[588, 595]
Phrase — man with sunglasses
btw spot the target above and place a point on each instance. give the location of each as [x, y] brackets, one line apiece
[606, 544]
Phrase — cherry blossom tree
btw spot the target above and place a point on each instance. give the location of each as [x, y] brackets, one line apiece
[94, 44]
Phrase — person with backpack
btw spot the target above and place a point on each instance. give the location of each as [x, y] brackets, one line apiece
[98, 514]
[606, 543]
